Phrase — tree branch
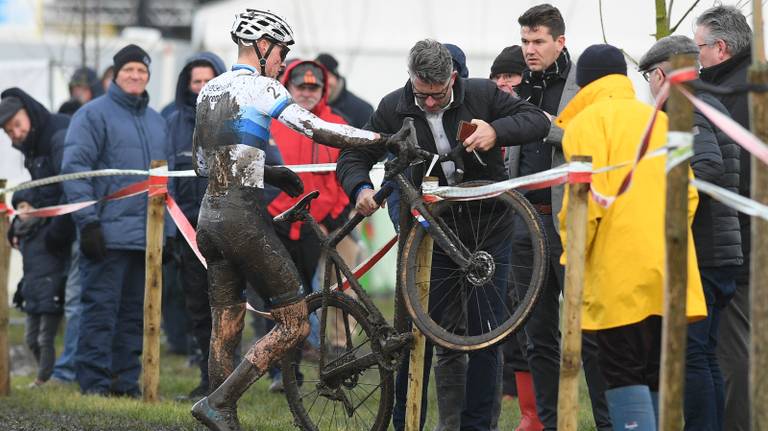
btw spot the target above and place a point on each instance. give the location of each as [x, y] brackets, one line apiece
[602, 25]
[673, 29]
[669, 12]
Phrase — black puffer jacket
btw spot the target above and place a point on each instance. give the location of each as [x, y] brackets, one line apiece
[729, 73]
[42, 149]
[515, 121]
[715, 228]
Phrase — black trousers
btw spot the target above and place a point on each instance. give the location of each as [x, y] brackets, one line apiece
[630, 355]
[543, 332]
[195, 286]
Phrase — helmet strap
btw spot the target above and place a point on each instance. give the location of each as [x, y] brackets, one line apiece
[263, 59]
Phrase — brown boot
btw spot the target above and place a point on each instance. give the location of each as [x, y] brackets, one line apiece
[526, 397]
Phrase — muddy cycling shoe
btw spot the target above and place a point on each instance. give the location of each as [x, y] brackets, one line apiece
[223, 419]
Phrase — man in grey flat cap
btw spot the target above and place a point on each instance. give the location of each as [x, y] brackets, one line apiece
[716, 235]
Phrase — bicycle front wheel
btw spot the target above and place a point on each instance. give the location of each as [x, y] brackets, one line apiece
[358, 398]
[473, 308]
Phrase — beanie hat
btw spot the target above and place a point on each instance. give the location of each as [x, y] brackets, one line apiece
[130, 53]
[510, 60]
[8, 108]
[598, 61]
[330, 63]
[459, 60]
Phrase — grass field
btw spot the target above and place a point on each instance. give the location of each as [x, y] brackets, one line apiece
[62, 407]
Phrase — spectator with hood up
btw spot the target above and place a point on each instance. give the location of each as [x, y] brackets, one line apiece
[188, 193]
[39, 135]
[84, 86]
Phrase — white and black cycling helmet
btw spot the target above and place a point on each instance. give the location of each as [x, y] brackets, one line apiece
[254, 24]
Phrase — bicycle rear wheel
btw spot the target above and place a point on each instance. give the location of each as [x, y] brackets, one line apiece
[360, 398]
[475, 308]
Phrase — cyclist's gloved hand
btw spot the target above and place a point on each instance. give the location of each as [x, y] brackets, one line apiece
[399, 139]
[285, 179]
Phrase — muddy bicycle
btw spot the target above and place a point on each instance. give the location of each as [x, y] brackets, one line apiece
[351, 386]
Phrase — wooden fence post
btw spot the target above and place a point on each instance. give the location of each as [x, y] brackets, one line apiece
[416, 366]
[675, 322]
[5, 263]
[758, 370]
[153, 288]
[570, 360]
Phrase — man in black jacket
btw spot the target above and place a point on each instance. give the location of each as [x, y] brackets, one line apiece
[723, 37]
[44, 242]
[438, 99]
[716, 235]
[549, 82]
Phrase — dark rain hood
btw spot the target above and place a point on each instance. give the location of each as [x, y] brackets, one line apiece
[87, 76]
[184, 97]
[324, 99]
[38, 116]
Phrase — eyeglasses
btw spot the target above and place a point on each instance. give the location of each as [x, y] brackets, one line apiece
[437, 96]
[647, 73]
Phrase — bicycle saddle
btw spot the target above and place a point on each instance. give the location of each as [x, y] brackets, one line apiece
[295, 213]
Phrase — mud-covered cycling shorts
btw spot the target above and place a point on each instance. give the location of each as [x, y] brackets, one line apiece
[236, 236]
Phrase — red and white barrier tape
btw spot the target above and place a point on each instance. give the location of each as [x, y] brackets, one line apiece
[569, 172]
[158, 172]
[733, 200]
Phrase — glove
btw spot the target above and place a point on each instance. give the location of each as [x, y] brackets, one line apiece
[398, 140]
[285, 179]
[92, 242]
[18, 298]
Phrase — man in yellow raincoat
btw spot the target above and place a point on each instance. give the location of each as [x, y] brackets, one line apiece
[624, 273]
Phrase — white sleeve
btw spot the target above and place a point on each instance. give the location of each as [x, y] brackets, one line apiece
[306, 123]
[267, 96]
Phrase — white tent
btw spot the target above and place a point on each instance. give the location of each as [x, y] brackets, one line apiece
[371, 38]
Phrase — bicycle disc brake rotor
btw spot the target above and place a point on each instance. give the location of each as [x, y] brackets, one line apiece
[481, 268]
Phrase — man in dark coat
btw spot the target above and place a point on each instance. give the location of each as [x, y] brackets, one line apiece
[84, 86]
[716, 236]
[549, 82]
[725, 53]
[43, 242]
[438, 99]
[117, 130]
[354, 109]
[188, 193]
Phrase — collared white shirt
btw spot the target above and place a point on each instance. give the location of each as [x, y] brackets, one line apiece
[443, 144]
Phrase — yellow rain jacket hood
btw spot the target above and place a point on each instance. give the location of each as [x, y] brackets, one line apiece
[624, 273]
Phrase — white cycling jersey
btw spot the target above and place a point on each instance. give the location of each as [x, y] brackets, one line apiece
[237, 107]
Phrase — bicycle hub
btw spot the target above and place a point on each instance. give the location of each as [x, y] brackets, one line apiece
[481, 268]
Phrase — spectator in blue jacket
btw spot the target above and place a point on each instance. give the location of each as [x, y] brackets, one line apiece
[119, 131]
[39, 135]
